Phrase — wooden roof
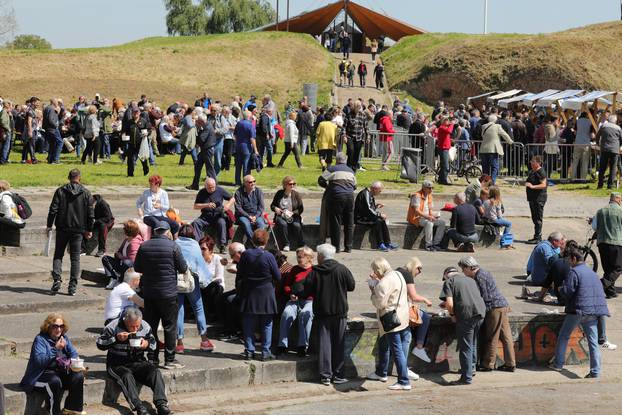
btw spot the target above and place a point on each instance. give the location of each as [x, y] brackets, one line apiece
[371, 23]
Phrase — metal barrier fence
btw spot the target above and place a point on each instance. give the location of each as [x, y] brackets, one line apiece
[570, 161]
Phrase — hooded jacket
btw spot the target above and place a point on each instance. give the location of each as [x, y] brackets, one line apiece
[328, 283]
[71, 209]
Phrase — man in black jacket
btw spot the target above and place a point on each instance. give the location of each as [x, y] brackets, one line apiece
[206, 140]
[104, 221]
[265, 135]
[367, 212]
[126, 363]
[52, 133]
[72, 213]
[463, 220]
[160, 260]
[137, 129]
[329, 283]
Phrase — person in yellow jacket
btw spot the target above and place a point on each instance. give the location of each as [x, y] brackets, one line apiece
[420, 213]
[326, 141]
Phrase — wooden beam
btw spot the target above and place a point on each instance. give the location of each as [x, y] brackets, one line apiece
[584, 108]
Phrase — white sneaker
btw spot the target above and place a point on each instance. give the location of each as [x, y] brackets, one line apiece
[286, 248]
[399, 387]
[421, 354]
[412, 376]
[112, 284]
[608, 346]
[362, 168]
[374, 376]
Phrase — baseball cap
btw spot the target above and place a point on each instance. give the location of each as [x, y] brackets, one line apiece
[449, 270]
[427, 183]
[162, 226]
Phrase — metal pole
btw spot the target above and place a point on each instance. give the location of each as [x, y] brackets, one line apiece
[277, 15]
[345, 15]
[485, 17]
[288, 15]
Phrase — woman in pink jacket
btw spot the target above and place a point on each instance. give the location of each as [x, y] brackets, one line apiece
[386, 139]
[123, 259]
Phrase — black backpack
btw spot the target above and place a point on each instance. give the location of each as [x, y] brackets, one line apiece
[23, 208]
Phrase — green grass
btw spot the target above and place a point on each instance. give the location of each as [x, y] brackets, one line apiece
[113, 173]
[586, 189]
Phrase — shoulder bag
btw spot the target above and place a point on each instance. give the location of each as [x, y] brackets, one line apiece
[390, 320]
[185, 282]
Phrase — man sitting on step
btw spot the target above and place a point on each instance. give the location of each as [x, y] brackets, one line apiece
[126, 339]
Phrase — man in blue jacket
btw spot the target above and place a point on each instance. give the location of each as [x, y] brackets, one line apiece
[585, 303]
[160, 260]
[543, 256]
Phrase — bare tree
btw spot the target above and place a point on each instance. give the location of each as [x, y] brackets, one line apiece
[8, 23]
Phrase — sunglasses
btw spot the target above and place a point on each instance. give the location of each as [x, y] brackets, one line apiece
[58, 326]
[204, 248]
[251, 182]
[291, 184]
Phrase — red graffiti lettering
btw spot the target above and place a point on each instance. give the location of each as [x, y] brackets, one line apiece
[523, 347]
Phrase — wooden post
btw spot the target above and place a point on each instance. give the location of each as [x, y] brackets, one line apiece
[584, 108]
[560, 111]
[614, 103]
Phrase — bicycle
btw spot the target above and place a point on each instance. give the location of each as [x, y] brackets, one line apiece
[469, 169]
[589, 257]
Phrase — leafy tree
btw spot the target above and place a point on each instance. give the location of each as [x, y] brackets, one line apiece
[29, 42]
[192, 17]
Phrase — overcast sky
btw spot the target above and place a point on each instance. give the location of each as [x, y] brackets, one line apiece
[89, 23]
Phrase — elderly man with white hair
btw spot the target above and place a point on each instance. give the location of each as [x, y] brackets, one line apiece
[329, 283]
[212, 201]
[609, 138]
[491, 149]
[207, 138]
[367, 212]
[123, 296]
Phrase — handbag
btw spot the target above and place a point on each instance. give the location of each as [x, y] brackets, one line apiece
[390, 320]
[185, 282]
[414, 319]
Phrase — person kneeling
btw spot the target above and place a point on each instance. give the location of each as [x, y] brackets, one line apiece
[126, 339]
[462, 232]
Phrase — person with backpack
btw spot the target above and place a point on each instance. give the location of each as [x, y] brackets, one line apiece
[9, 211]
[362, 72]
[72, 212]
[343, 71]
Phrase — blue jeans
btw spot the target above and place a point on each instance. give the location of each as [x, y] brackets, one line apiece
[6, 148]
[242, 162]
[422, 331]
[249, 323]
[396, 343]
[184, 152]
[602, 329]
[506, 224]
[260, 223]
[303, 310]
[589, 326]
[58, 146]
[265, 146]
[105, 140]
[218, 149]
[466, 336]
[197, 305]
[490, 165]
[174, 144]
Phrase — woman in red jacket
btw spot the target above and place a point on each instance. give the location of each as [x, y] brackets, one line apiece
[386, 139]
[126, 255]
[443, 144]
[298, 305]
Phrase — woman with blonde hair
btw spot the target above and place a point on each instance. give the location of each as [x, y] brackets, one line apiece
[493, 212]
[50, 368]
[288, 207]
[389, 296]
[9, 215]
[291, 140]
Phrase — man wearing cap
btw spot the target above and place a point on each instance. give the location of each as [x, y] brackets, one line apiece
[160, 260]
[462, 226]
[608, 226]
[496, 322]
[466, 307]
[420, 213]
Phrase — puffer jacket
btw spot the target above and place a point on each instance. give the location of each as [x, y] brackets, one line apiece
[71, 209]
[159, 260]
[584, 292]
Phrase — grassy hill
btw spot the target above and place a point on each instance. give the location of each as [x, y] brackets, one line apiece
[173, 68]
[454, 66]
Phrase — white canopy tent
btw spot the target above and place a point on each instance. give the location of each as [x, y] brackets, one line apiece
[530, 101]
[506, 94]
[551, 100]
[605, 98]
[505, 103]
[481, 96]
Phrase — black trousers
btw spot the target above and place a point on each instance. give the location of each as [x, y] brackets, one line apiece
[201, 226]
[289, 148]
[131, 155]
[212, 304]
[354, 153]
[326, 155]
[610, 160]
[100, 236]
[611, 258]
[165, 310]
[53, 383]
[381, 232]
[537, 217]
[115, 267]
[228, 150]
[341, 212]
[230, 303]
[143, 372]
[74, 241]
[283, 229]
[331, 334]
[362, 80]
[205, 158]
[92, 148]
[29, 149]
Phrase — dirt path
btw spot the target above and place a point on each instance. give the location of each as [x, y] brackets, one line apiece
[342, 93]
